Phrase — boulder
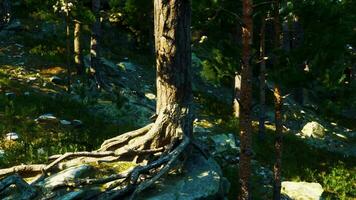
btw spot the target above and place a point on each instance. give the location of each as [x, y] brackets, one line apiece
[224, 142]
[65, 122]
[47, 119]
[10, 95]
[313, 129]
[77, 123]
[302, 190]
[12, 136]
[201, 179]
[150, 96]
[127, 66]
[57, 80]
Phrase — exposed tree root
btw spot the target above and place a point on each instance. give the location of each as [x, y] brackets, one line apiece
[155, 148]
[173, 158]
[22, 169]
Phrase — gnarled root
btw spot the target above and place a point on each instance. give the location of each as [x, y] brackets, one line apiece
[155, 148]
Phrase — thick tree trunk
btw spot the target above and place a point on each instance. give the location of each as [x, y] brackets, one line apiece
[69, 71]
[78, 56]
[262, 114]
[173, 52]
[246, 98]
[173, 55]
[278, 112]
[95, 44]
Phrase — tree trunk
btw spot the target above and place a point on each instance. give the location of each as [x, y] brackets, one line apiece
[95, 44]
[5, 13]
[262, 114]
[278, 112]
[173, 52]
[78, 56]
[277, 169]
[173, 55]
[237, 95]
[69, 71]
[246, 98]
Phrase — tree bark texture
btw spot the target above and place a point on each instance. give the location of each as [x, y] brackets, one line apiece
[277, 169]
[78, 56]
[173, 52]
[246, 98]
[237, 95]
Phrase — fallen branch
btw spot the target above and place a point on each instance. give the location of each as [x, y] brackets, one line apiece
[22, 169]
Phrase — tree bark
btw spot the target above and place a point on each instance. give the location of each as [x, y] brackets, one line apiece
[262, 88]
[173, 52]
[237, 95]
[173, 55]
[78, 56]
[277, 169]
[246, 98]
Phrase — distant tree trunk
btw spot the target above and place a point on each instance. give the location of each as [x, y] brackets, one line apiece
[277, 169]
[95, 45]
[68, 48]
[5, 12]
[78, 56]
[262, 114]
[237, 94]
[296, 40]
[246, 101]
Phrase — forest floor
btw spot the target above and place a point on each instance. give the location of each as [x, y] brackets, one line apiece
[32, 84]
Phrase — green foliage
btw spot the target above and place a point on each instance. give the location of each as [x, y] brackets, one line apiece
[136, 17]
[215, 35]
[304, 163]
[218, 68]
[339, 182]
[37, 142]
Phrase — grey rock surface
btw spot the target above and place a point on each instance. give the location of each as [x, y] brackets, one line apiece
[201, 179]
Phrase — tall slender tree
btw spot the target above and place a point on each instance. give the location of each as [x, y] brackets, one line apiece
[68, 51]
[277, 168]
[246, 98]
[95, 44]
[262, 88]
[78, 56]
